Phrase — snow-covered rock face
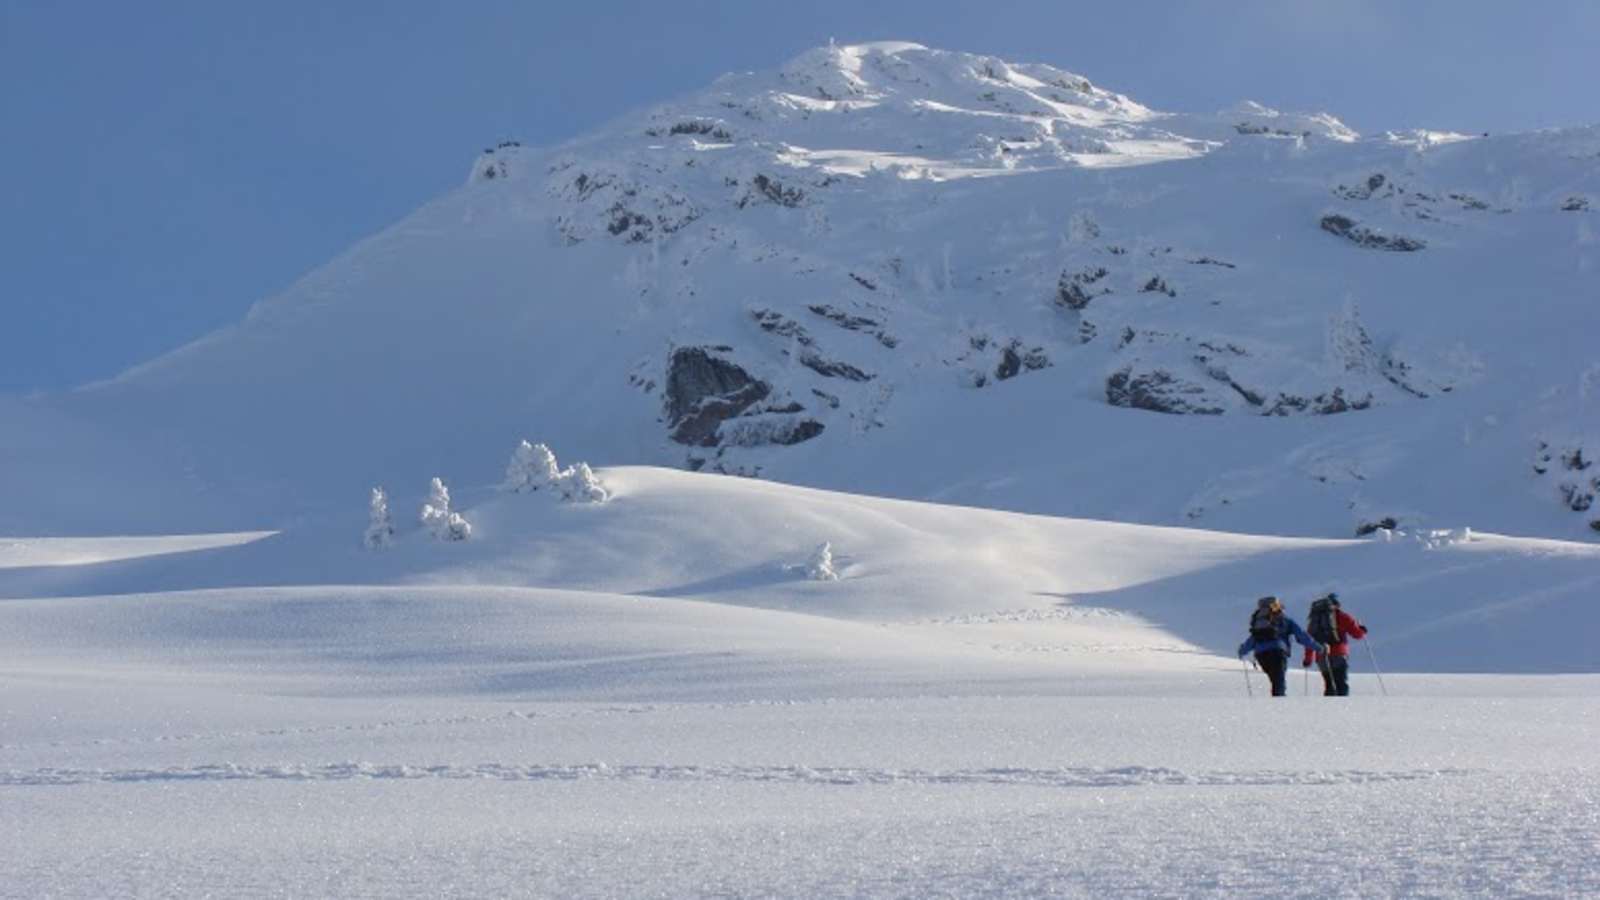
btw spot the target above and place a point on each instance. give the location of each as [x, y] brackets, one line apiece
[901, 270]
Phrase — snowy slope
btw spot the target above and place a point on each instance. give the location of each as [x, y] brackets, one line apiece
[946, 581]
[904, 271]
[644, 698]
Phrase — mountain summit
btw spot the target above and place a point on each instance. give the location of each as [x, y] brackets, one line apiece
[892, 269]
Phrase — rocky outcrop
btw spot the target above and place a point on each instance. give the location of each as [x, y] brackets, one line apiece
[833, 368]
[850, 322]
[1074, 290]
[1158, 285]
[1014, 360]
[810, 356]
[771, 190]
[1362, 236]
[1577, 488]
[1327, 404]
[703, 389]
[1575, 204]
[1376, 185]
[715, 130]
[1158, 390]
[606, 200]
[773, 322]
[768, 430]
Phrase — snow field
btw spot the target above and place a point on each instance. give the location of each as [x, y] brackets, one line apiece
[650, 697]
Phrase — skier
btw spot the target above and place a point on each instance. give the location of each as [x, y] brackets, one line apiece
[1270, 631]
[1332, 626]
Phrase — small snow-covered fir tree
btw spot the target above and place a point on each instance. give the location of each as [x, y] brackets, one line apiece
[532, 467]
[820, 566]
[437, 517]
[1348, 346]
[580, 484]
[380, 533]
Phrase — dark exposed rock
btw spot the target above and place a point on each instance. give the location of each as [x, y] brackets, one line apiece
[1208, 261]
[1247, 128]
[825, 397]
[703, 390]
[1373, 186]
[1158, 391]
[1250, 397]
[1387, 523]
[1573, 459]
[1594, 524]
[1575, 204]
[855, 323]
[1541, 459]
[1576, 497]
[1362, 236]
[1398, 373]
[1158, 285]
[1468, 201]
[774, 322]
[616, 204]
[1075, 290]
[804, 430]
[763, 431]
[774, 191]
[713, 130]
[832, 368]
[1328, 404]
[1010, 364]
[1013, 359]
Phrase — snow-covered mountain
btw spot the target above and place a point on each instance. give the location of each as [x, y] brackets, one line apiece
[890, 269]
[881, 269]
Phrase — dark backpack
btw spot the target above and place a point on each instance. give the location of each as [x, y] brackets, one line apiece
[1322, 623]
[1262, 628]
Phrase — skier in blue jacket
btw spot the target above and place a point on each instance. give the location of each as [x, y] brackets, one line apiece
[1270, 630]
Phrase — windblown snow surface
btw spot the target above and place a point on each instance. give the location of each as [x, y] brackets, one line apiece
[647, 697]
[1051, 384]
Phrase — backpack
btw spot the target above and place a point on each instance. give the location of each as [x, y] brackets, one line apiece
[1262, 628]
[1322, 623]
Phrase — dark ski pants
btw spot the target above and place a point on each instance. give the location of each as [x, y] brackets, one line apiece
[1273, 662]
[1335, 676]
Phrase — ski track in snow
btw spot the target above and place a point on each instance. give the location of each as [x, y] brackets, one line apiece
[1071, 777]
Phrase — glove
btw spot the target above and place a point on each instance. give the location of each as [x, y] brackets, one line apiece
[1306, 662]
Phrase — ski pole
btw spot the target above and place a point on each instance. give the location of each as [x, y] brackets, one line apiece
[1246, 669]
[1375, 670]
[1305, 683]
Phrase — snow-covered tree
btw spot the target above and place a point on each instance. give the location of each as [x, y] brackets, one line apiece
[437, 517]
[580, 484]
[380, 533]
[820, 566]
[1348, 346]
[532, 467]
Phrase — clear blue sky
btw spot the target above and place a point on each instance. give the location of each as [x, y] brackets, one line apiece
[165, 164]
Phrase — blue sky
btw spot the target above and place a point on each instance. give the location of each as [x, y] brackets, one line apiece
[166, 164]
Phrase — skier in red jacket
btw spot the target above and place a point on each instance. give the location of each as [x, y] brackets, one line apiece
[1337, 627]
